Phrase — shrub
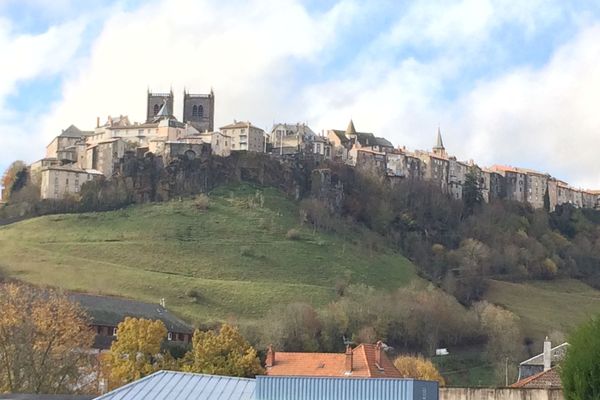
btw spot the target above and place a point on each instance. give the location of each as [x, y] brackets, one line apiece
[580, 372]
[292, 234]
[246, 251]
[418, 368]
[193, 293]
[202, 202]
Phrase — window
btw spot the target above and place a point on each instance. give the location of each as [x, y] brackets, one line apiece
[156, 109]
[67, 182]
[195, 111]
[169, 336]
[200, 111]
[114, 331]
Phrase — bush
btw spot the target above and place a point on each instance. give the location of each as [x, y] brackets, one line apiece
[418, 368]
[246, 251]
[202, 202]
[292, 234]
[193, 293]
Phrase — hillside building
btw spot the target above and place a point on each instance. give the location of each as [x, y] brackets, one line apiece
[245, 136]
[60, 181]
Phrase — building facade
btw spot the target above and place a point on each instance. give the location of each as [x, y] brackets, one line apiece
[245, 137]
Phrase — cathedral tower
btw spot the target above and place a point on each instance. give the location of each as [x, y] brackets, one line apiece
[199, 110]
[155, 103]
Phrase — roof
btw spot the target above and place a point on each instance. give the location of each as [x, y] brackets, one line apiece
[439, 144]
[171, 385]
[549, 379]
[36, 396]
[351, 130]
[311, 388]
[333, 364]
[557, 353]
[295, 128]
[72, 131]
[239, 124]
[109, 311]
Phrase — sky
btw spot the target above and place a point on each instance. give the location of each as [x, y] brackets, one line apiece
[508, 82]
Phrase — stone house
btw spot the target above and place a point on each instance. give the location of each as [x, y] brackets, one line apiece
[291, 138]
[104, 156]
[537, 185]
[245, 136]
[457, 172]
[58, 181]
[400, 164]
[434, 168]
[515, 182]
[106, 312]
[347, 143]
[370, 160]
[540, 372]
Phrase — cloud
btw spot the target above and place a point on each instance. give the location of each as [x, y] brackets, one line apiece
[246, 51]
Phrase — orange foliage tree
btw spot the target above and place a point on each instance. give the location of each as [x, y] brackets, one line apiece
[418, 367]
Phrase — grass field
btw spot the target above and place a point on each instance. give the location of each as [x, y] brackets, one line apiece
[235, 255]
[546, 306]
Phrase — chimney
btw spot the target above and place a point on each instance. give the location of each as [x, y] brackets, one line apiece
[378, 350]
[547, 354]
[97, 122]
[348, 361]
[270, 361]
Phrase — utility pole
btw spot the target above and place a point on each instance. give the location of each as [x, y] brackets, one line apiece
[506, 373]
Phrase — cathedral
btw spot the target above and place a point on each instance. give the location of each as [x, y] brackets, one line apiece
[198, 109]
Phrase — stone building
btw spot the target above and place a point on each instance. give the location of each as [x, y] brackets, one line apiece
[346, 143]
[66, 147]
[537, 185]
[291, 138]
[374, 161]
[245, 136]
[457, 172]
[104, 156]
[199, 111]
[59, 181]
[515, 182]
[155, 103]
[403, 165]
[493, 184]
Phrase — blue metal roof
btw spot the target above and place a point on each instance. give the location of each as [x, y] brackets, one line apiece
[311, 388]
[170, 385]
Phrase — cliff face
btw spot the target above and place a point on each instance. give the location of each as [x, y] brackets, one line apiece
[146, 178]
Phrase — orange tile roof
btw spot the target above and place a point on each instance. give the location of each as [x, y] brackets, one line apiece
[333, 364]
[542, 380]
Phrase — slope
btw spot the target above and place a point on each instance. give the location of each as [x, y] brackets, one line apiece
[234, 259]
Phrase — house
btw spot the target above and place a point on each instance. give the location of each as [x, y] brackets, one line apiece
[347, 143]
[59, 181]
[171, 385]
[245, 136]
[364, 361]
[291, 138]
[540, 371]
[106, 312]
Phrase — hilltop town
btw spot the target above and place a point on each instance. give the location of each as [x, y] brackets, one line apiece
[77, 156]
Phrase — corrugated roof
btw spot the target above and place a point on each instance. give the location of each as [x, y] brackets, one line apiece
[305, 388]
[170, 385]
[109, 311]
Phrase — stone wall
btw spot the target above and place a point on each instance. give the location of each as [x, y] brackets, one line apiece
[500, 394]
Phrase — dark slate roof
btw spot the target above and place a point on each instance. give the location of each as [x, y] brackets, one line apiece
[28, 396]
[109, 311]
[72, 131]
[170, 385]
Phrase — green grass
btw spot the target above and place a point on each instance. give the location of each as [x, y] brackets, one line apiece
[235, 254]
[546, 306]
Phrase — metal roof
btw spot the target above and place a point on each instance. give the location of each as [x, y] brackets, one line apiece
[170, 385]
[311, 388]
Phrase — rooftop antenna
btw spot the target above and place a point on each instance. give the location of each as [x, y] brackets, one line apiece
[347, 342]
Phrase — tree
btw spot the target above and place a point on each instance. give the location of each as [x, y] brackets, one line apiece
[580, 370]
[14, 178]
[222, 353]
[42, 335]
[503, 336]
[136, 352]
[418, 367]
[472, 196]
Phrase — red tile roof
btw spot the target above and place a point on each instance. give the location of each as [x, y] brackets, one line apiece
[364, 364]
[544, 380]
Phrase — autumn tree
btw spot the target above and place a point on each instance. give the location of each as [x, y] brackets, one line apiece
[14, 178]
[503, 335]
[43, 337]
[418, 367]
[580, 370]
[136, 352]
[222, 353]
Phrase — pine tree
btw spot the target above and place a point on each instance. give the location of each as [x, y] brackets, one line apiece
[472, 196]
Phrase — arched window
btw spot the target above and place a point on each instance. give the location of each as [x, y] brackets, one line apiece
[156, 109]
[195, 111]
[200, 111]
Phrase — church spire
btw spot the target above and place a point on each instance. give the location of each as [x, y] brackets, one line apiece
[439, 143]
[350, 130]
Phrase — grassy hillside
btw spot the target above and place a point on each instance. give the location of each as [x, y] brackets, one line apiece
[235, 255]
[547, 306]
